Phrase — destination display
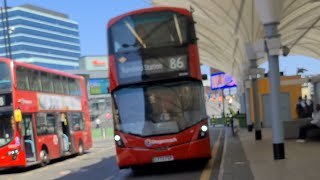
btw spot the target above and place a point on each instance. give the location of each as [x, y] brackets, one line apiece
[138, 69]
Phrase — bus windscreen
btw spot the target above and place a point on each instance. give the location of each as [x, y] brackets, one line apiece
[6, 128]
[5, 78]
[149, 30]
[159, 109]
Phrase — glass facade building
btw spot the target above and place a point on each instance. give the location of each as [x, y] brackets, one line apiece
[96, 71]
[41, 37]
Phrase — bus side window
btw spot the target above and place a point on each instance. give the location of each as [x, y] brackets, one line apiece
[34, 80]
[41, 123]
[65, 85]
[46, 123]
[51, 123]
[78, 123]
[72, 87]
[78, 87]
[46, 82]
[22, 78]
[57, 84]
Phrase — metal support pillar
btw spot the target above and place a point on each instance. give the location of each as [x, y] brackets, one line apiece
[248, 113]
[243, 104]
[223, 105]
[256, 103]
[271, 31]
[315, 96]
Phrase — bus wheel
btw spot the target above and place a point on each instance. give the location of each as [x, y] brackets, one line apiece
[137, 169]
[80, 148]
[44, 155]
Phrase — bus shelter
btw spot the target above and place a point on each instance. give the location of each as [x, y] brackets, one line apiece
[237, 36]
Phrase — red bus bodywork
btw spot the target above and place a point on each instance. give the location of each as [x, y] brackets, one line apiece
[27, 101]
[137, 150]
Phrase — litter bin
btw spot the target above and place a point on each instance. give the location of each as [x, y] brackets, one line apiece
[242, 120]
[218, 121]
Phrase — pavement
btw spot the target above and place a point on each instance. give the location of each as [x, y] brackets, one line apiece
[63, 167]
[238, 157]
[302, 160]
[234, 164]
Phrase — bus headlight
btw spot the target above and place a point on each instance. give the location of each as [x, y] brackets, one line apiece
[203, 131]
[14, 153]
[118, 140]
[204, 128]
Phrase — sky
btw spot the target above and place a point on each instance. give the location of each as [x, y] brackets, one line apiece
[289, 65]
[93, 15]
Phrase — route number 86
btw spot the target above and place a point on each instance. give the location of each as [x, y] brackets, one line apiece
[176, 63]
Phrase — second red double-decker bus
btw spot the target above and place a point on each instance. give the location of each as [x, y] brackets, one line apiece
[43, 114]
[156, 86]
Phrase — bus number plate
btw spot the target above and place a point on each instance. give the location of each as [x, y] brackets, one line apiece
[162, 159]
[2, 102]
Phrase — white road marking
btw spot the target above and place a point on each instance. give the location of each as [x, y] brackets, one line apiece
[63, 173]
[109, 178]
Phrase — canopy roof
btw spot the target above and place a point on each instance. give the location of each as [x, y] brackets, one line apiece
[225, 26]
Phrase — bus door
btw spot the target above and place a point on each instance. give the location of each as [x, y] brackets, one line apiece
[29, 139]
[65, 134]
[72, 135]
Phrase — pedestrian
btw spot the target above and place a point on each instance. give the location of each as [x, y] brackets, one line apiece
[301, 108]
[313, 124]
[309, 106]
[97, 121]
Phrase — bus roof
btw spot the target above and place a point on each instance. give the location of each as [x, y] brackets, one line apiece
[147, 10]
[40, 68]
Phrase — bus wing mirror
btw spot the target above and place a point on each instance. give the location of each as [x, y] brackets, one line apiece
[17, 115]
[204, 77]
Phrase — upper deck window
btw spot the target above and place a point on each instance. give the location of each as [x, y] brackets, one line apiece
[149, 30]
[34, 80]
[5, 76]
[22, 78]
[40, 81]
[46, 82]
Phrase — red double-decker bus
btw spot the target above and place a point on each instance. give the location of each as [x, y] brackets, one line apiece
[156, 85]
[43, 114]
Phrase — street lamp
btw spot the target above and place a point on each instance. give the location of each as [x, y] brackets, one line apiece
[6, 27]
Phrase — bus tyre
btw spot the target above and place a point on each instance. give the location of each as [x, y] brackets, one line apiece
[80, 148]
[137, 169]
[44, 155]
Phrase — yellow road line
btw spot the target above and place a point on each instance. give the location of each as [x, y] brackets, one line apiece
[205, 175]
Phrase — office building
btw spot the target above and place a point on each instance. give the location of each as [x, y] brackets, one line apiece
[96, 71]
[40, 36]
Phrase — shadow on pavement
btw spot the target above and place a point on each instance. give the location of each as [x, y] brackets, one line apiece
[103, 169]
[16, 170]
[107, 169]
[169, 168]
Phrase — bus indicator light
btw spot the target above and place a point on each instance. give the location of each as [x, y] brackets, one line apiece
[17, 115]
